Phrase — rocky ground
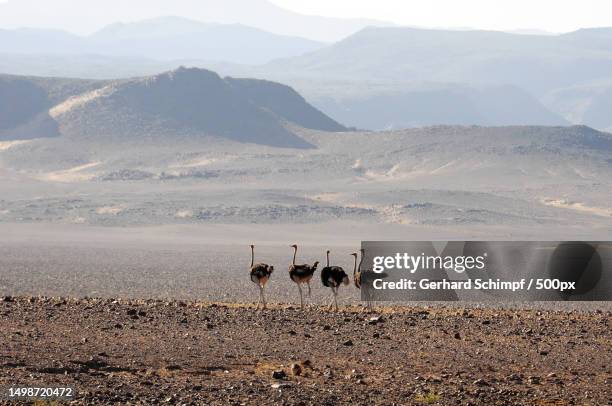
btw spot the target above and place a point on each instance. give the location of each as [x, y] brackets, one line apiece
[151, 352]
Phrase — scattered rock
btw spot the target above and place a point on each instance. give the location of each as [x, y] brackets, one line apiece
[206, 355]
[375, 320]
[515, 378]
[481, 382]
[534, 380]
[296, 369]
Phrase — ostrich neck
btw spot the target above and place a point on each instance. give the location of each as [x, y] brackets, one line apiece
[360, 262]
[294, 254]
[328, 259]
[252, 257]
[355, 266]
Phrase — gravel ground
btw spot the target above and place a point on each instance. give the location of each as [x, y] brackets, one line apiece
[206, 272]
[151, 352]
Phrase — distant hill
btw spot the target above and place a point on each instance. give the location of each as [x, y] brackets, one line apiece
[530, 67]
[380, 77]
[535, 63]
[163, 39]
[431, 104]
[586, 103]
[173, 38]
[186, 102]
[40, 41]
[591, 38]
[262, 14]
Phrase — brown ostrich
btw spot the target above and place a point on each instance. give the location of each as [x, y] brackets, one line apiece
[301, 274]
[359, 276]
[333, 277]
[260, 275]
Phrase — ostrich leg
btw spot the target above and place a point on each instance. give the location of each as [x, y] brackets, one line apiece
[301, 297]
[331, 301]
[259, 301]
[262, 299]
[335, 290]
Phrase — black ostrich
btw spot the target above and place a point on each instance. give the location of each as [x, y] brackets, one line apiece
[260, 274]
[301, 274]
[333, 277]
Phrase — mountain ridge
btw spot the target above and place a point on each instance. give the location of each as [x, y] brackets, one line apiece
[186, 101]
[163, 38]
[260, 14]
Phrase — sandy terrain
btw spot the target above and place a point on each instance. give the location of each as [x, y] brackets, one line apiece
[172, 220]
[147, 352]
[205, 263]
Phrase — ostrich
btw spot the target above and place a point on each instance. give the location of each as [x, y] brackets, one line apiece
[360, 276]
[260, 274]
[301, 274]
[333, 277]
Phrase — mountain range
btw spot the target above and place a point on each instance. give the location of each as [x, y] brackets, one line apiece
[547, 79]
[85, 17]
[163, 39]
[537, 64]
[377, 78]
[183, 102]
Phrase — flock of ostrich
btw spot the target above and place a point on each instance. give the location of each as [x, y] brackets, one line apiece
[331, 277]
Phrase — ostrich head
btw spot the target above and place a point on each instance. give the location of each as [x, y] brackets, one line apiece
[315, 265]
[252, 246]
[294, 246]
[270, 269]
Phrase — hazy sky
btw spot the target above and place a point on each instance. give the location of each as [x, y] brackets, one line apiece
[549, 15]
[85, 16]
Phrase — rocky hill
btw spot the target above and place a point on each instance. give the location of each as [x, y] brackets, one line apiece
[185, 101]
